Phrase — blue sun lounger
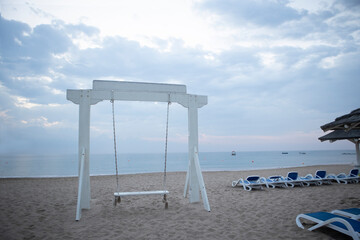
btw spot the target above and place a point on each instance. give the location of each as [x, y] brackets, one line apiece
[353, 177]
[251, 182]
[293, 178]
[321, 175]
[341, 224]
[276, 181]
[310, 179]
[353, 213]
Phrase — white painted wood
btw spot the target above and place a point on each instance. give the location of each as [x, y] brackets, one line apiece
[131, 91]
[194, 189]
[123, 194]
[181, 98]
[124, 86]
[100, 95]
[76, 95]
[186, 188]
[84, 145]
[80, 186]
[201, 181]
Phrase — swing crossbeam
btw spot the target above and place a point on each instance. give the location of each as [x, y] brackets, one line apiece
[123, 194]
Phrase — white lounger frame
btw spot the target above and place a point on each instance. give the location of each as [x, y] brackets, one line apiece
[247, 185]
[343, 212]
[350, 231]
[136, 91]
[276, 181]
[343, 178]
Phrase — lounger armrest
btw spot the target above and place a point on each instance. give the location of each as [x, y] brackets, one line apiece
[235, 183]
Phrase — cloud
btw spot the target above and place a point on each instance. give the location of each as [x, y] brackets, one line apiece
[258, 12]
[273, 85]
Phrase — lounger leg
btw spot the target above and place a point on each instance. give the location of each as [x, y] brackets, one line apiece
[336, 219]
[343, 181]
[247, 188]
[235, 183]
[298, 221]
[351, 232]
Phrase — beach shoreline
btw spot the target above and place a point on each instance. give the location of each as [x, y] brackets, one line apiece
[37, 208]
[212, 170]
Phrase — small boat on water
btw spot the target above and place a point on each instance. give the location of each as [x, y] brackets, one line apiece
[284, 153]
[233, 153]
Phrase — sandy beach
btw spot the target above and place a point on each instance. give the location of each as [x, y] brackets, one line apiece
[44, 208]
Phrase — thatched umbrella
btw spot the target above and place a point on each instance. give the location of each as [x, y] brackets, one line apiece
[345, 127]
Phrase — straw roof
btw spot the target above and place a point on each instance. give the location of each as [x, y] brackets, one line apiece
[347, 122]
[341, 135]
[344, 127]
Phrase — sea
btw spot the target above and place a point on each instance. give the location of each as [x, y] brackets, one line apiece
[19, 166]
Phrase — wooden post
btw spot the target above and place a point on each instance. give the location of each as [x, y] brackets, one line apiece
[357, 142]
[194, 189]
[194, 183]
[201, 181]
[84, 147]
[80, 186]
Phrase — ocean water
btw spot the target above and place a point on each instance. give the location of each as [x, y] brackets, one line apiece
[104, 164]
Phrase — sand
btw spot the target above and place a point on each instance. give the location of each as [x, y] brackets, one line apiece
[44, 208]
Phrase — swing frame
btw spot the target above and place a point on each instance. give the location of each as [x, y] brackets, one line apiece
[137, 91]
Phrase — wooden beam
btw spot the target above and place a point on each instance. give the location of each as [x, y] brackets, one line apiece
[124, 86]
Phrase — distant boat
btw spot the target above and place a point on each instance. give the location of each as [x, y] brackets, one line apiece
[302, 152]
[233, 153]
[284, 153]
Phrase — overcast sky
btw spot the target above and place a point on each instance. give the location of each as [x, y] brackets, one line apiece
[274, 71]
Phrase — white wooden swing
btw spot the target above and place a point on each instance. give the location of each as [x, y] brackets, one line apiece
[135, 91]
[164, 192]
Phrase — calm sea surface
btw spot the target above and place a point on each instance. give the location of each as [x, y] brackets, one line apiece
[104, 164]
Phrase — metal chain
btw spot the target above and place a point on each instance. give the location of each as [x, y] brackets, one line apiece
[166, 141]
[116, 161]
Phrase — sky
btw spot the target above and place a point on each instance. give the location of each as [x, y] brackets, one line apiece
[274, 71]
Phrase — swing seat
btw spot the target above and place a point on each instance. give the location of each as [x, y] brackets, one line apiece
[123, 194]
